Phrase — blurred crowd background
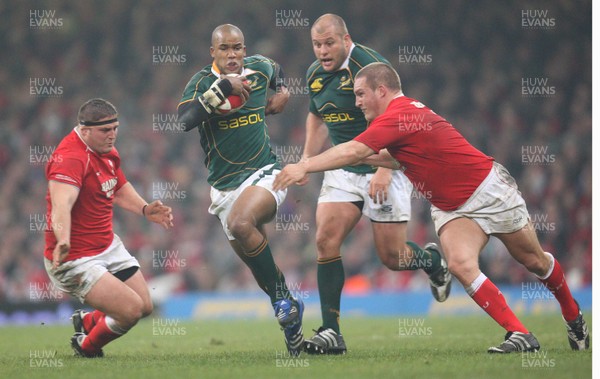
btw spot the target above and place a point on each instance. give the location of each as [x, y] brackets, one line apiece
[515, 82]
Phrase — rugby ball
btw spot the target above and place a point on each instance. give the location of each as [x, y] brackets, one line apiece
[231, 104]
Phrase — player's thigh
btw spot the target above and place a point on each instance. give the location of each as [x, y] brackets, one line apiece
[138, 284]
[334, 222]
[462, 240]
[523, 246]
[389, 236]
[256, 204]
[115, 298]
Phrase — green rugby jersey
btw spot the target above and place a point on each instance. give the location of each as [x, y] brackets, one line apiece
[236, 145]
[332, 98]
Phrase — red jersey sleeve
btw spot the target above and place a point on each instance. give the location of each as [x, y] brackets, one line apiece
[68, 170]
[377, 136]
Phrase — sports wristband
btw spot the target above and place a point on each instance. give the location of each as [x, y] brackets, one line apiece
[144, 210]
[215, 95]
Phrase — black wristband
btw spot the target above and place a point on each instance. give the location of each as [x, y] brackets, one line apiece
[225, 87]
[144, 210]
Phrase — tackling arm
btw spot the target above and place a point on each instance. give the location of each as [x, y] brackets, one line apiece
[341, 155]
[383, 159]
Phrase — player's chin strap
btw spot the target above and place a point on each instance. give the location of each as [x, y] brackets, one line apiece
[215, 95]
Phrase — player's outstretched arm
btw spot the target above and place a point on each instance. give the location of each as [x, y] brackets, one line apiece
[341, 155]
[128, 198]
[383, 159]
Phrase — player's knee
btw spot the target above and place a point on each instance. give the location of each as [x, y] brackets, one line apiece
[132, 312]
[390, 259]
[240, 228]
[536, 264]
[327, 246]
[147, 309]
[460, 267]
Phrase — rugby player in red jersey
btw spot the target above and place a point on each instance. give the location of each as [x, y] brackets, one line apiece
[83, 256]
[472, 198]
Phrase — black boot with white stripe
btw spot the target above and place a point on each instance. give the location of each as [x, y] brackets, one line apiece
[577, 331]
[325, 341]
[517, 342]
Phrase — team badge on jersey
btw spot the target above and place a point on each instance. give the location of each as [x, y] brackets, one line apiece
[317, 85]
[254, 84]
[345, 83]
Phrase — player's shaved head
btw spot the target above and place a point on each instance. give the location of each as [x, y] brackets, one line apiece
[329, 19]
[378, 73]
[223, 30]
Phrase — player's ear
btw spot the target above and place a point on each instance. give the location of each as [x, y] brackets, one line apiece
[347, 41]
[212, 51]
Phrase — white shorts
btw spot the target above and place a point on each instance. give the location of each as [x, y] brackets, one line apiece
[341, 186]
[496, 205]
[77, 277]
[222, 201]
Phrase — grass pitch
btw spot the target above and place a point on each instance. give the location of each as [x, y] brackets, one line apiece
[402, 347]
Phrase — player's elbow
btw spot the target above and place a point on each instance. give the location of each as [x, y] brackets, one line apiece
[184, 120]
[352, 156]
[354, 153]
[188, 117]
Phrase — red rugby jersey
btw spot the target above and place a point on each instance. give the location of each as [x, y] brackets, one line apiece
[437, 159]
[98, 177]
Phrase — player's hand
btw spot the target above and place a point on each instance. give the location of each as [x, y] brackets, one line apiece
[277, 102]
[160, 214]
[240, 85]
[290, 174]
[379, 185]
[303, 181]
[61, 250]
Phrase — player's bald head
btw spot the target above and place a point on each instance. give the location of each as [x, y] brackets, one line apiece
[378, 73]
[225, 30]
[327, 20]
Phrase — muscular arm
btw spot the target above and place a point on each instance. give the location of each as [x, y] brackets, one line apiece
[63, 197]
[341, 155]
[128, 198]
[383, 159]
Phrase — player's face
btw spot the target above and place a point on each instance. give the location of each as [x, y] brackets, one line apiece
[366, 99]
[330, 48]
[228, 51]
[100, 138]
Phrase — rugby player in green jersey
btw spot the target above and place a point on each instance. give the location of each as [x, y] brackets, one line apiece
[241, 165]
[382, 195]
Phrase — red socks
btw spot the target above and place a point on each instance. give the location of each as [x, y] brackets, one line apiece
[491, 300]
[90, 320]
[556, 283]
[103, 332]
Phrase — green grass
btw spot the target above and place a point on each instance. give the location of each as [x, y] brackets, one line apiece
[451, 347]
